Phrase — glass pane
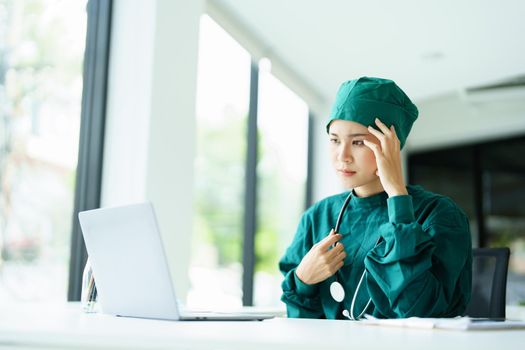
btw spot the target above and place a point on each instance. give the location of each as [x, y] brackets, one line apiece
[504, 208]
[41, 53]
[281, 171]
[223, 86]
[449, 172]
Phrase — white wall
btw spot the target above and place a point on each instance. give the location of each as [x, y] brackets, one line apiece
[325, 180]
[129, 102]
[150, 146]
[458, 118]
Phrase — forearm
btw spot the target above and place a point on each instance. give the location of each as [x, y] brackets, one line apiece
[302, 300]
[416, 272]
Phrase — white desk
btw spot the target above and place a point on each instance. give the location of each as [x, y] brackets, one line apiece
[64, 326]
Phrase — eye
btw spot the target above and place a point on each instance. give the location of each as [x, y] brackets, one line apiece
[333, 140]
[358, 143]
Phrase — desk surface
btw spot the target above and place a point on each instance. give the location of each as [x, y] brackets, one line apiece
[65, 326]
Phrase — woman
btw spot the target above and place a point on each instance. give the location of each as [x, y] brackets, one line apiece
[400, 251]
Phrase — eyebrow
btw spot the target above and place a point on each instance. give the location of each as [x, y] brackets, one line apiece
[349, 135]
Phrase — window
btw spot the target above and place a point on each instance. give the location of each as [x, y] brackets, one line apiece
[223, 87]
[223, 105]
[41, 50]
[281, 171]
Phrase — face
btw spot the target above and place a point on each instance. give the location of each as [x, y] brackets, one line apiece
[353, 161]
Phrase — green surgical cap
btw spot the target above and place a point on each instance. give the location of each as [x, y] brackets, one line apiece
[364, 99]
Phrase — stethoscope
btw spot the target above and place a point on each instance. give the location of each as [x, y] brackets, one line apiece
[336, 289]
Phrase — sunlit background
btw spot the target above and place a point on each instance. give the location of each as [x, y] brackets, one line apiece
[41, 53]
[41, 64]
[223, 87]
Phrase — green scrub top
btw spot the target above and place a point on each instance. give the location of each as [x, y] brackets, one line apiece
[422, 265]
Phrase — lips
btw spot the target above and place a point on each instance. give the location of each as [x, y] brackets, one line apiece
[345, 172]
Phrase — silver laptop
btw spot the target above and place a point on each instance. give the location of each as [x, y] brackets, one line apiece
[130, 266]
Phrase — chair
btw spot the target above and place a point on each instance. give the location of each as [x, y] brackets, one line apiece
[489, 282]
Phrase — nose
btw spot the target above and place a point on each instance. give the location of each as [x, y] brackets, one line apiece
[345, 154]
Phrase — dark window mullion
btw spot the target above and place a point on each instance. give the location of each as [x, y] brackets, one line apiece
[479, 196]
[250, 198]
[91, 141]
[310, 161]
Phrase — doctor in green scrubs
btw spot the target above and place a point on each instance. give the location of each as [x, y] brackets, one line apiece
[400, 250]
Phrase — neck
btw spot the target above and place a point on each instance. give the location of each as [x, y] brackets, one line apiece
[369, 189]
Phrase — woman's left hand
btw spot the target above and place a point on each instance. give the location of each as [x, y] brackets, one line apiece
[388, 159]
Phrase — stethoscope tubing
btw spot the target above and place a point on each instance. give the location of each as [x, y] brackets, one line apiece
[337, 226]
[341, 212]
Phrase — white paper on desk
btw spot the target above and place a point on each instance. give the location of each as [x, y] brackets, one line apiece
[467, 323]
[412, 322]
[457, 323]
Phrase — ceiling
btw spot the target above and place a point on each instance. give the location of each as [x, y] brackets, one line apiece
[428, 47]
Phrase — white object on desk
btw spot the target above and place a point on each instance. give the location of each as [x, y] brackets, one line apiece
[458, 323]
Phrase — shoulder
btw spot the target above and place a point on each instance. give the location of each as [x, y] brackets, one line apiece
[431, 207]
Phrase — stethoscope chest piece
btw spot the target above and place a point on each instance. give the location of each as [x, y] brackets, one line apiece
[337, 291]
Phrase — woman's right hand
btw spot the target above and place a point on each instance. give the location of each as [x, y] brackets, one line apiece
[322, 261]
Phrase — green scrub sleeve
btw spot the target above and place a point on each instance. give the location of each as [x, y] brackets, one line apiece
[302, 300]
[421, 270]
